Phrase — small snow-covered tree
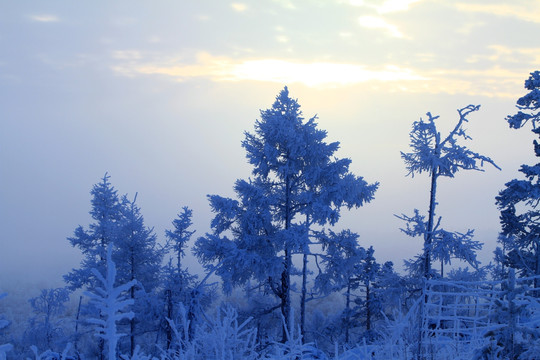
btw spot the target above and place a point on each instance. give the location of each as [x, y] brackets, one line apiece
[370, 307]
[511, 334]
[107, 215]
[112, 302]
[389, 290]
[438, 157]
[177, 281]
[519, 200]
[138, 258]
[296, 177]
[45, 328]
[341, 262]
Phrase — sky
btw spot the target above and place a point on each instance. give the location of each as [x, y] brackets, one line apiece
[159, 94]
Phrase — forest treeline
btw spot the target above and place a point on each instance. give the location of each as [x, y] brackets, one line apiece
[303, 289]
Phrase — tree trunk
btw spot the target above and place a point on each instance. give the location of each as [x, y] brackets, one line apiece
[537, 270]
[132, 295]
[77, 326]
[347, 311]
[428, 237]
[169, 316]
[286, 275]
[285, 295]
[303, 299]
[368, 308]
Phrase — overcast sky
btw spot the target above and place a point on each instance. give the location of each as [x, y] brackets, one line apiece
[159, 93]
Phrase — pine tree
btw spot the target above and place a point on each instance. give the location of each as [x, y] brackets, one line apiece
[439, 157]
[297, 182]
[370, 307]
[518, 201]
[139, 258]
[107, 215]
[178, 282]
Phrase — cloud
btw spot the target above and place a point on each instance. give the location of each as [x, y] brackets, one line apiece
[239, 7]
[315, 74]
[490, 81]
[373, 22]
[44, 18]
[529, 56]
[126, 55]
[287, 4]
[527, 11]
[386, 6]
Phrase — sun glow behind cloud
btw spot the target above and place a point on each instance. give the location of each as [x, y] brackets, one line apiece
[315, 74]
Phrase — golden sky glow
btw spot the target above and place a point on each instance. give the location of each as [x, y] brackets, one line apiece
[353, 42]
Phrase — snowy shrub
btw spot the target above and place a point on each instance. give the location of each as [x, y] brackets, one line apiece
[5, 347]
[222, 337]
[51, 355]
[293, 348]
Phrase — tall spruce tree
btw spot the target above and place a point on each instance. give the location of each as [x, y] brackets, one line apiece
[296, 182]
[519, 200]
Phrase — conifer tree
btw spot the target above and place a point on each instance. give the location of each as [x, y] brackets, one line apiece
[138, 258]
[438, 157]
[177, 281]
[518, 201]
[341, 261]
[107, 215]
[295, 177]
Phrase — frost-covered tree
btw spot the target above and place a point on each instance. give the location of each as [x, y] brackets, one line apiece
[530, 103]
[177, 281]
[341, 262]
[112, 301]
[515, 330]
[45, 327]
[107, 215]
[370, 307]
[389, 289]
[438, 157]
[139, 258]
[296, 182]
[4, 348]
[519, 200]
